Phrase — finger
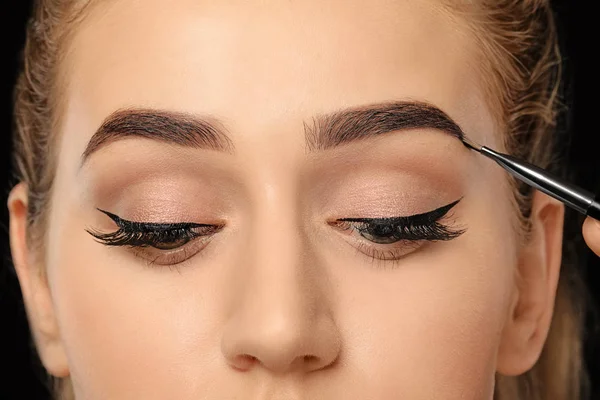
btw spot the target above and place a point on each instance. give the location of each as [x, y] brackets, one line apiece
[591, 234]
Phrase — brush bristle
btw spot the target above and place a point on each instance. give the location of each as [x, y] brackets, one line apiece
[470, 144]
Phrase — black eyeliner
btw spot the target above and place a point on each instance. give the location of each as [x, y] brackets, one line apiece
[425, 218]
[143, 234]
[144, 227]
[412, 228]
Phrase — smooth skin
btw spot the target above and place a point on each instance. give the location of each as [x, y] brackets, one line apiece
[280, 305]
[591, 234]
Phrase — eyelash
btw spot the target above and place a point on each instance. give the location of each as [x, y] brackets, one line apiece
[410, 232]
[142, 235]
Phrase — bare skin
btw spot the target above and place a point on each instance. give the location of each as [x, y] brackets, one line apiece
[591, 234]
[279, 304]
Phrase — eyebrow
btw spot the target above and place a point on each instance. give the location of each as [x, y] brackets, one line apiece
[166, 126]
[326, 131]
[357, 123]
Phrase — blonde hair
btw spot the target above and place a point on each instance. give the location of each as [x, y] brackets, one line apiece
[519, 51]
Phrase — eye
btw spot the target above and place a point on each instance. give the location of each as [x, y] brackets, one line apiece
[392, 238]
[163, 244]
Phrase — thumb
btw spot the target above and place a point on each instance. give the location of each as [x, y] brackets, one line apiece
[591, 234]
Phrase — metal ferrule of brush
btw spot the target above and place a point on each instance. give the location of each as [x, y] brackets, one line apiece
[571, 195]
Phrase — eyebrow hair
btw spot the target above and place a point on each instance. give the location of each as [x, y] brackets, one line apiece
[333, 129]
[167, 126]
[327, 130]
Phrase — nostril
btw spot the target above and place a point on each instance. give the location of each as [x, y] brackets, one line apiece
[310, 359]
[312, 362]
[244, 362]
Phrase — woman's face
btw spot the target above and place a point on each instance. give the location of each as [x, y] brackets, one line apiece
[297, 115]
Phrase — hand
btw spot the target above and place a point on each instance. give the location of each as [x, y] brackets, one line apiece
[591, 234]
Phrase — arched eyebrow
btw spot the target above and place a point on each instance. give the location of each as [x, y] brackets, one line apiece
[325, 132]
[166, 126]
[334, 129]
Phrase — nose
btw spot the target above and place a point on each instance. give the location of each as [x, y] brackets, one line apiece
[280, 318]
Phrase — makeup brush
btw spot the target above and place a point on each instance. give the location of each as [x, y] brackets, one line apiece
[571, 195]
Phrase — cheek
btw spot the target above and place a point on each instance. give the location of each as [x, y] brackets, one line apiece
[435, 319]
[124, 325]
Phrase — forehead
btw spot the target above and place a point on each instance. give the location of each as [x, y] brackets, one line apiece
[255, 63]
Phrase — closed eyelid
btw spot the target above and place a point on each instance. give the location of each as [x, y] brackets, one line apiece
[427, 217]
[150, 226]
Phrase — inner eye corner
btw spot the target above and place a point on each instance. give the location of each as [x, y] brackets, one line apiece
[333, 221]
[338, 224]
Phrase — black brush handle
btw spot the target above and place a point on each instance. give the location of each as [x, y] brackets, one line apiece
[594, 210]
[571, 195]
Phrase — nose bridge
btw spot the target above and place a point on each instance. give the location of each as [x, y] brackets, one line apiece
[278, 278]
[281, 319]
[276, 221]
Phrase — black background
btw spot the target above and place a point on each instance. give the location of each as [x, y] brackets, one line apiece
[580, 44]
